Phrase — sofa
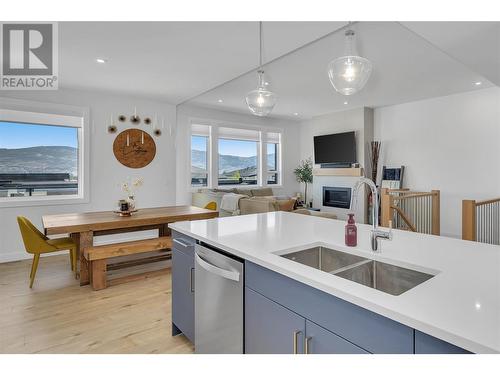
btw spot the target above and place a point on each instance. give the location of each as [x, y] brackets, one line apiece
[257, 200]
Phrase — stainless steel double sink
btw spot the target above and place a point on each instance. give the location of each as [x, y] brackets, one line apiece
[375, 274]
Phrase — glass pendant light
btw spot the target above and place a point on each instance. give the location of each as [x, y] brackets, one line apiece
[348, 74]
[261, 101]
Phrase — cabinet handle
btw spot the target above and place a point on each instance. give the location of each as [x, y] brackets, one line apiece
[182, 243]
[191, 280]
[296, 341]
[306, 344]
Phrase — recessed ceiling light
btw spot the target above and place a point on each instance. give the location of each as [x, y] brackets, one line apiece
[478, 83]
[346, 103]
[101, 60]
[296, 114]
[219, 101]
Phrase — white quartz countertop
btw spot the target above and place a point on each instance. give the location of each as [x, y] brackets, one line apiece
[460, 305]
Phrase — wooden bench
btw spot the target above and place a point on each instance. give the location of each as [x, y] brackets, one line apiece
[99, 255]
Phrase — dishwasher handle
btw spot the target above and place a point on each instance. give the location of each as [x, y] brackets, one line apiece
[231, 275]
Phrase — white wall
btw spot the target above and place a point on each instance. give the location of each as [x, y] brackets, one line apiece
[106, 173]
[448, 143]
[185, 113]
[359, 120]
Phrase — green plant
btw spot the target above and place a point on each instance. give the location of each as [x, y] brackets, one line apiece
[236, 175]
[304, 174]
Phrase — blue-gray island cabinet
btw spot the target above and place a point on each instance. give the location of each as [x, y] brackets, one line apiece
[275, 305]
[183, 286]
[283, 315]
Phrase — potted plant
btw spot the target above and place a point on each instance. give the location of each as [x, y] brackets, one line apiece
[304, 174]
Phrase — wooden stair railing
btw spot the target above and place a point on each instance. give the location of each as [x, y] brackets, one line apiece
[481, 220]
[409, 210]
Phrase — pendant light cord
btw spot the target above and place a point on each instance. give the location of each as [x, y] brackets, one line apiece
[260, 45]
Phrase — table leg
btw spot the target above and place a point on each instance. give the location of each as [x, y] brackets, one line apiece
[164, 230]
[76, 239]
[86, 241]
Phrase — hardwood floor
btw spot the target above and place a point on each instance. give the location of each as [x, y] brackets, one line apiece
[59, 316]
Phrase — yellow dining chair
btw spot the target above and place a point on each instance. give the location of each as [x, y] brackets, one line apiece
[211, 206]
[36, 243]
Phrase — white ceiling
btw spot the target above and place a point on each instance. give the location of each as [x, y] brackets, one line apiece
[178, 61]
[406, 67]
[476, 44]
[172, 61]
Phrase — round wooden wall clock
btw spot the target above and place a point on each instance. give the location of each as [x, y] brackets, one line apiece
[134, 148]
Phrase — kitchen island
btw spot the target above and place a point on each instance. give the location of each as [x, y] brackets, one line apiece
[456, 310]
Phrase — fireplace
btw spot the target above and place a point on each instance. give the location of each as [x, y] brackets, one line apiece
[338, 197]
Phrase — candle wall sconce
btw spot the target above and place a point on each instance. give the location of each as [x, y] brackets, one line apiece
[134, 119]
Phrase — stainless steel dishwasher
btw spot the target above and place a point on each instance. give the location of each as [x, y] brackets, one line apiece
[218, 302]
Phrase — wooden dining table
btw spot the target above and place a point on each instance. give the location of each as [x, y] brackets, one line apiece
[83, 227]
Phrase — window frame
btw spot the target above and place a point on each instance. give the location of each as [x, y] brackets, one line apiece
[213, 152]
[22, 111]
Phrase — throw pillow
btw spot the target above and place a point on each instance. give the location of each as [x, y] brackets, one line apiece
[243, 191]
[286, 205]
[263, 192]
[224, 190]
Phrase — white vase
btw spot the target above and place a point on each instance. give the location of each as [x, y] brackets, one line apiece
[131, 203]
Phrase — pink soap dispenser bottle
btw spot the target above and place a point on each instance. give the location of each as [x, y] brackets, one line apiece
[351, 232]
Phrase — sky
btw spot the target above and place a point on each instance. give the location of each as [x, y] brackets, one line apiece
[227, 147]
[198, 143]
[17, 135]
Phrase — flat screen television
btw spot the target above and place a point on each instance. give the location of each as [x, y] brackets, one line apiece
[337, 148]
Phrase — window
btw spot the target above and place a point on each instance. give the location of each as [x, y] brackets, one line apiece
[238, 158]
[40, 156]
[199, 160]
[273, 158]
[237, 162]
[272, 164]
[200, 155]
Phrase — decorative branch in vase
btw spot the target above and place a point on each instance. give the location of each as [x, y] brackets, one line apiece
[375, 153]
[304, 174]
[129, 188]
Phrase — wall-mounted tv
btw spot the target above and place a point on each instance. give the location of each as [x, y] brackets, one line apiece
[337, 148]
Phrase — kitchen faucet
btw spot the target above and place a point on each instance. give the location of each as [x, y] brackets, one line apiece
[376, 233]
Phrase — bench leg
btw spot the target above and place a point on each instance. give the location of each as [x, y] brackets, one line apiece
[98, 274]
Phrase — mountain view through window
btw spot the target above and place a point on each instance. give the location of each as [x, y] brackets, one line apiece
[38, 160]
[199, 160]
[237, 162]
[238, 156]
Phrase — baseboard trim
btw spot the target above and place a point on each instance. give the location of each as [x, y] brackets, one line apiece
[17, 256]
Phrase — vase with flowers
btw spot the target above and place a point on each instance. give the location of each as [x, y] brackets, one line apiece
[129, 188]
